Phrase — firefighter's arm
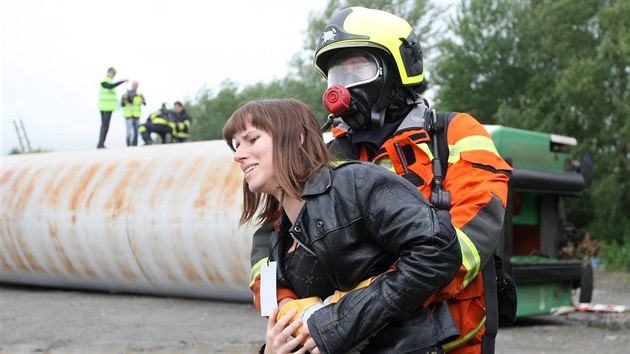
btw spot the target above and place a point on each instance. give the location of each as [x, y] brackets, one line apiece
[477, 179]
[183, 126]
[259, 256]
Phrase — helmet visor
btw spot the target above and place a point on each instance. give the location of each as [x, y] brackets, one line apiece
[353, 68]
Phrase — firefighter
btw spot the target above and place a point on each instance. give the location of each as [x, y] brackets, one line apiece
[373, 63]
[158, 122]
[132, 102]
[182, 121]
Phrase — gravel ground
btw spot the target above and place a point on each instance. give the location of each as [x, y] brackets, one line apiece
[35, 320]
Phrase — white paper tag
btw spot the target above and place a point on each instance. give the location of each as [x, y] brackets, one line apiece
[268, 295]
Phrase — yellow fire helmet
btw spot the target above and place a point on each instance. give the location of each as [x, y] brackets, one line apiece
[357, 27]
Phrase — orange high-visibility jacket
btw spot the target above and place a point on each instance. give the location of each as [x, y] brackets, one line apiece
[477, 179]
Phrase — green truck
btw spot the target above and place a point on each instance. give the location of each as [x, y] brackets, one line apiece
[544, 176]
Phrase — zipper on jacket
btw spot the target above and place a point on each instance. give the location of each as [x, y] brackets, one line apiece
[301, 244]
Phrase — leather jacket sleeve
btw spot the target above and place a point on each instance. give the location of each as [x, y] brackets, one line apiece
[399, 219]
[261, 243]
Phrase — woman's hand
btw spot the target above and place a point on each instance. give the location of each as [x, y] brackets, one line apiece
[278, 334]
[310, 346]
[284, 301]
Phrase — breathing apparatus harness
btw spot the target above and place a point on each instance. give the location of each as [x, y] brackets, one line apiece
[436, 125]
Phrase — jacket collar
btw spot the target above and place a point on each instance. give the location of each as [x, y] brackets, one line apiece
[319, 183]
[415, 119]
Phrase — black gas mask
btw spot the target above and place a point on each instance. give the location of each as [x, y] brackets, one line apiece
[361, 88]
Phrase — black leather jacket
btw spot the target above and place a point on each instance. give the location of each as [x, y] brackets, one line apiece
[359, 219]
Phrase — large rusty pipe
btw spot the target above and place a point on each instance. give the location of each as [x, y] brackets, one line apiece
[159, 219]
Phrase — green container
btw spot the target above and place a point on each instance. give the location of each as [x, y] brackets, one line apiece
[529, 211]
[531, 150]
[542, 298]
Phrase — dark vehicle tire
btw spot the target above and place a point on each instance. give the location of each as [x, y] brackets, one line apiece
[586, 284]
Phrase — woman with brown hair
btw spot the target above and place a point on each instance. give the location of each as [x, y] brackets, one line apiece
[339, 228]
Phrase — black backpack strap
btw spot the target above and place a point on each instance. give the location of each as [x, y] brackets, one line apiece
[443, 120]
[437, 127]
[507, 294]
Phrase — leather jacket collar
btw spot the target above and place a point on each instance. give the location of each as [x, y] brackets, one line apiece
[319, 183]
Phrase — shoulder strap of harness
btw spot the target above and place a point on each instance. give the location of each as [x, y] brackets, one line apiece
[443, 120]
[437, 127]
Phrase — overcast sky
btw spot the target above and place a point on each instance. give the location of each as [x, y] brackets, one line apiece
[55, 53]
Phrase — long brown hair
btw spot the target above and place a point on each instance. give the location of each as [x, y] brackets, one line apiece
[298, 149]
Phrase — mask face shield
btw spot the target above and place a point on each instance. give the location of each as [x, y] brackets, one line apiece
[353, 68]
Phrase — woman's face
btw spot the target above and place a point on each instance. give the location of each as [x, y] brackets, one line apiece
[254, 152]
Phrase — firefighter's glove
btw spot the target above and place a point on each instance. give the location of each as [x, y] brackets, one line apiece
[181, 126]
[305, 308]
[337, 295]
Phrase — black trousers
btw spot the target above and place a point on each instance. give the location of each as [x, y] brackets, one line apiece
[105, 118]
[164, 131]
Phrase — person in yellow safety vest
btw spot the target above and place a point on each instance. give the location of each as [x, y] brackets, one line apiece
[132, 103]
[107, 103]
[183, 122]
[158, 122]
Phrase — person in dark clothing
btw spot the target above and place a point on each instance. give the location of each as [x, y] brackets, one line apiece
[183, 122]
[107, 103]
[158, 122]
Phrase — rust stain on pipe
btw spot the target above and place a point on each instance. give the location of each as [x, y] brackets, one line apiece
[163, 219]
[189, 270]
[21, 196]
[125, 271]
[87, 269]
[29, 259]
[115, 205]
[5, 177]
[59, 249]
[5, 263]
[79, 191]
[107, 170]
[13, 253]
[50, 263]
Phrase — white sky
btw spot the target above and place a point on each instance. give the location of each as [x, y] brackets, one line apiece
[55, 52]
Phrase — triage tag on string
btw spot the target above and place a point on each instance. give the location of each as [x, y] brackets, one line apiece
[268, 297]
